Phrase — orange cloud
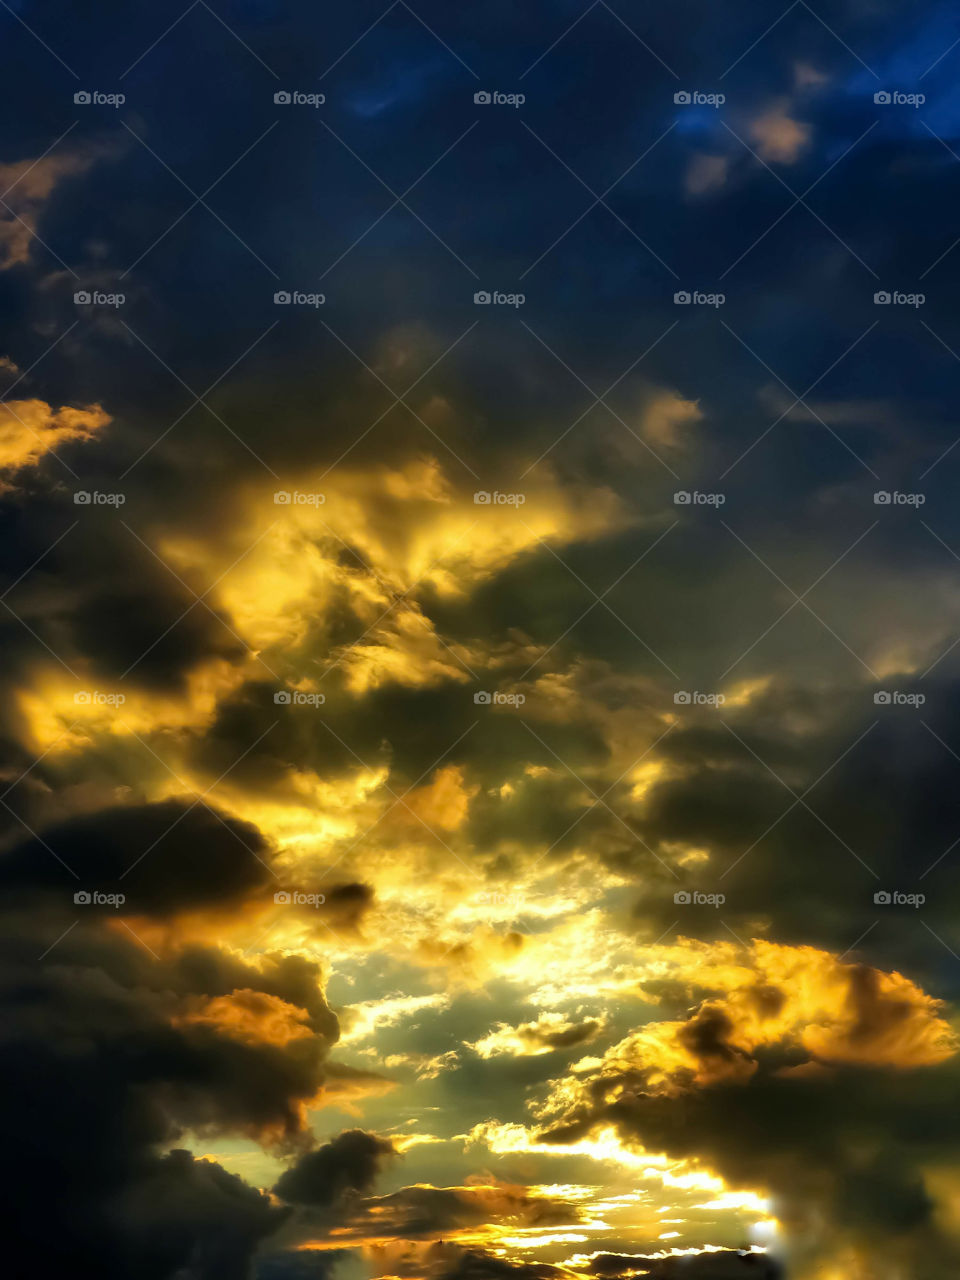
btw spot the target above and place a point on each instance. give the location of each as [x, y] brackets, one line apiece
[778, 137]
[253, 1017]
[29, 429]
[444, 802]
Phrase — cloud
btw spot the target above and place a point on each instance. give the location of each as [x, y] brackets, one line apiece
[706, 173]
[34, 182]
[187, 1216]
[164, 858]
[798, 1000]
[351, 1162]
[797, 1032]
[828, 1080]
[549, 1032]
[488, 1208]
[109, 1069]
[722, 1264]
[779, 138]
[31, 429]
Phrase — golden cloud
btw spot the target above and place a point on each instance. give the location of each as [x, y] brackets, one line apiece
[768, 995]
[29, 429]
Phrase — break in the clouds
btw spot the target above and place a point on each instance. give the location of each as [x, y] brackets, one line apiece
[479, 613]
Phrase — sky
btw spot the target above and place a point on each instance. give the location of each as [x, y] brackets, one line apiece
[480, 703]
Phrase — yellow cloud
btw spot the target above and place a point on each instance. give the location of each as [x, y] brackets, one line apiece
[444, 801]
[769, 995]
[29, 429]
[364, 543]
[530, 1039]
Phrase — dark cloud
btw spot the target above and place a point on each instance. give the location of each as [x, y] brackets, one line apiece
[191, 1215]
[840, 1153]
[113, 1055]
[422, 1212]
[707, 1037]
[722, 1265]
[165, 858]
[351, 1162]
